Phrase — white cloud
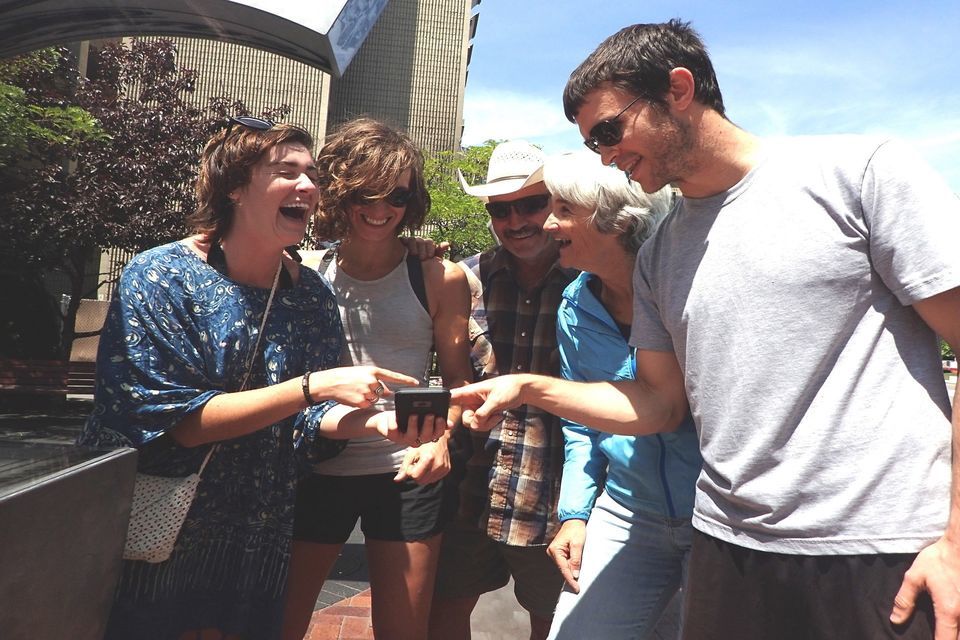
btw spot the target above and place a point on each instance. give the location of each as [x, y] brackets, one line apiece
[506, 115]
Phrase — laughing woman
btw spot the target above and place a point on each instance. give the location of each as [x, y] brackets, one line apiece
[221, 342]
[394, 309]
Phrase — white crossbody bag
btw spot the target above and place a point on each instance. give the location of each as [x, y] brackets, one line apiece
[160, 504]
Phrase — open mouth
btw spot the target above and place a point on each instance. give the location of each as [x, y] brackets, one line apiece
[520, 234]
[562, 242]
[374, 222]
[630, 168]
[296, 211]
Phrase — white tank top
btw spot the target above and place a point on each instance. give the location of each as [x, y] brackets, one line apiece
[385, 325]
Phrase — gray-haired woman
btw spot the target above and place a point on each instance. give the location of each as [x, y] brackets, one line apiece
[625, 502]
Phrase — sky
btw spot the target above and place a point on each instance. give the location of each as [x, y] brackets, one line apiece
[888, 67]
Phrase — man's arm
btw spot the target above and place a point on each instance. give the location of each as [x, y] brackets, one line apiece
[656, 401]
[937, 568]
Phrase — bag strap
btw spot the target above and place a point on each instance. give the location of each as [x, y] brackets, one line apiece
[263, 323]
[326, 257]
[415, 273]
[207, 458]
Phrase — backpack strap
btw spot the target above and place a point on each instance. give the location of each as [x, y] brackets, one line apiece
[326, 257]
[415, 273]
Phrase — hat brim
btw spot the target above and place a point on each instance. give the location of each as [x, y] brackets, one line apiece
[500, 187]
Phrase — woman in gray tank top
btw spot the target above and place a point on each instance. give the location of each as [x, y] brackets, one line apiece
[395, 310]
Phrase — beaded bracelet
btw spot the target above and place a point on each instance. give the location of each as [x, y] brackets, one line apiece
[305, 387]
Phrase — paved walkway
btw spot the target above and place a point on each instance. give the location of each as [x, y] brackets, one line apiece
[343, 608]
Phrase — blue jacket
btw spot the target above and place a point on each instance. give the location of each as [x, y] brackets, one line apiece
[655, 474]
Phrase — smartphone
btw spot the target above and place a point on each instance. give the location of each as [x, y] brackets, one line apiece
[420, 402]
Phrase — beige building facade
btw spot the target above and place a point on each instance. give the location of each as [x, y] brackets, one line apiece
[410, 72]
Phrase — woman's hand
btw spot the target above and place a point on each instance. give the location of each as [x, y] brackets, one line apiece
[425, 464]
[567, 551]
[431, 429]
[355, 386]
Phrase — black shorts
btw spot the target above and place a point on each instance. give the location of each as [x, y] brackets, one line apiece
[733, 592]
[328, 508]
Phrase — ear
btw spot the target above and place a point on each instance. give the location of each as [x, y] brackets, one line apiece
[682, 88]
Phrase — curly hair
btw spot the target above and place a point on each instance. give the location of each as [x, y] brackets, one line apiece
[225, 166]
[364, 159]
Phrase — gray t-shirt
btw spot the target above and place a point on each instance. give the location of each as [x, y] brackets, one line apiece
[816, 388]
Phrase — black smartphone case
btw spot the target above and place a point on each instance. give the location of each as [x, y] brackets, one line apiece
[420, 402]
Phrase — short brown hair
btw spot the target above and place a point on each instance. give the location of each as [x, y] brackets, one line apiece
[225, 166]
[638, 60]
[365, 157]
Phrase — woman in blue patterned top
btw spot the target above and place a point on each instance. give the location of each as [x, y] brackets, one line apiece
[180, 339]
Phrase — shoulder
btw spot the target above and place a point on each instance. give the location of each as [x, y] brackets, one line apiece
[443, 270]
[162, 264]
[446, 281]
[474, 262]
[471, 263]
[829, 154]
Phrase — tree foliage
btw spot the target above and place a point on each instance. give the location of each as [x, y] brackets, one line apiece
[27, 126]
[106, 160]
[456, 217]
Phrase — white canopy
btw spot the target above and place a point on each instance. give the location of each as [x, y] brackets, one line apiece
[322, 33]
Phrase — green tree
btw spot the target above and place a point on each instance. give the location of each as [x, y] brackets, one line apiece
[456, 217]
[126, 185]
[27, 127]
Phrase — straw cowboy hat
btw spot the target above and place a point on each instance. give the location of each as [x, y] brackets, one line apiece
[513, 165]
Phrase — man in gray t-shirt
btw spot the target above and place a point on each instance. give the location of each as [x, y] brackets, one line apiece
[794, 296]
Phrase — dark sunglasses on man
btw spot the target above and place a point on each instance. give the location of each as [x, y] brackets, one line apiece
[607, 132]
[399, 197]
[523, 206]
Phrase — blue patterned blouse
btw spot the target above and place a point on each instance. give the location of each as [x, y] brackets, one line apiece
[178, 333]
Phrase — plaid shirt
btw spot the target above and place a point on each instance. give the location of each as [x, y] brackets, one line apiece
[512, 475]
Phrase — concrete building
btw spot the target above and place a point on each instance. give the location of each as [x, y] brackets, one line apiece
[411, 72]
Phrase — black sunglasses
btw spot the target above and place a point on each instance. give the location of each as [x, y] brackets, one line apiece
[607, 132]
[399, 197]
[260, 124]
[524, 206]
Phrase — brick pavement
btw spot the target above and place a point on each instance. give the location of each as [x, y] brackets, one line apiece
[349, 619]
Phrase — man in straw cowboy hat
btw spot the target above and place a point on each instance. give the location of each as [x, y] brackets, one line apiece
[511, 475]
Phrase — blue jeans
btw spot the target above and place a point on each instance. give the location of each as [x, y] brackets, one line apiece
[633, 564]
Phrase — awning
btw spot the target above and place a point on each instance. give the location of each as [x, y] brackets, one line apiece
[322, 33]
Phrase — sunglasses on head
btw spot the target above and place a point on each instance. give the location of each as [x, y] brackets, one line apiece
[399, 197]
[260, 124]
[523, 206]
[607, 132]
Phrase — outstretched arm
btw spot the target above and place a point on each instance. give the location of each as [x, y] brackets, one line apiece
[654, 402]
[231, 415]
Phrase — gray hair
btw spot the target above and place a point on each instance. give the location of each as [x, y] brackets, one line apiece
[619, 205]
